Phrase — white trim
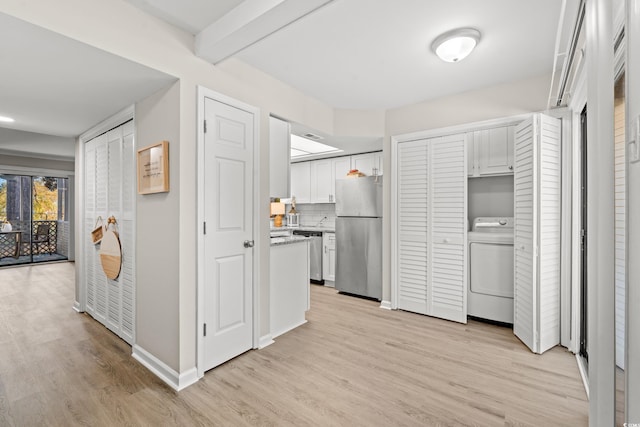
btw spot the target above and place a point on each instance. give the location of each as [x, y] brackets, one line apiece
[202, 93]
[386, 305]
[22, 170]
[110, 123]
[265, 341]
[462, 128]
[164, 372]
[583, 368]
[577, 104]
[393, 189]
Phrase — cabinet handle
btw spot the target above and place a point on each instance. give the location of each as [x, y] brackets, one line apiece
[510, 168]
[446, 241]
[325, 249]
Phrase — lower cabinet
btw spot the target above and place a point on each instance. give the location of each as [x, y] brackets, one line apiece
[289, 281]
[329, 256]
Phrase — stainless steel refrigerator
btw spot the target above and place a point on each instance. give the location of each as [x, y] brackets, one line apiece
[359, 236]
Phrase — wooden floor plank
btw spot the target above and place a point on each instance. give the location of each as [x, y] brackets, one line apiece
[352, 364]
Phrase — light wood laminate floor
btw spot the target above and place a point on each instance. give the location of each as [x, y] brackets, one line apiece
[352, 364]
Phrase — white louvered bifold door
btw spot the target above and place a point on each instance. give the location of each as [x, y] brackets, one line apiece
[537, 232]
[412, 226]
[110, 183]
[549, 233]
[431, 227]
[448, 196]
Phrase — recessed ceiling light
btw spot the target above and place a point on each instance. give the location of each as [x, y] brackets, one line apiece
[6, 119]
[455, 45]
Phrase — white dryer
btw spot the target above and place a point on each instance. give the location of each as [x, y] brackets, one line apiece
[490, 291]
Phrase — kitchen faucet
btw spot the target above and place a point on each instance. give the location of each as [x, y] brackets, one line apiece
[320, 222]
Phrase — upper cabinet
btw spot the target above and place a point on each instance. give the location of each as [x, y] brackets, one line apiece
[369, 164]
[279, 142]
[322, 181]
[490, 151]
[301, 182]
[315, 181]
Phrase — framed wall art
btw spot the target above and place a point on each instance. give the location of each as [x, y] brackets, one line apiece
[153, 168]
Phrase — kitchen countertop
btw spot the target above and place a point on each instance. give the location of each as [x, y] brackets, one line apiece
[275, 241]
[312, 228]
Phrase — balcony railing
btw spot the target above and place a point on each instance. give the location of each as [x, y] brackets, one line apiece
[55, 241]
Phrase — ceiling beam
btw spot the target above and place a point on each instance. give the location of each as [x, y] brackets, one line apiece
[249, 23]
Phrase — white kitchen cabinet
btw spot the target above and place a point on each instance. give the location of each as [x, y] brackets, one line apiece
[341, 167]
[329, 256]
[322, 181]
[369, 163]
[279, 157]
[301, 182]
[490, 151]
[537, 232]
[430, 250]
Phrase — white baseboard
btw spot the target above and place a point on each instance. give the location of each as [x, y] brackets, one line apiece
[386, 305]
[284, 331]
[76, 307]
[165, 373]
[265, 341]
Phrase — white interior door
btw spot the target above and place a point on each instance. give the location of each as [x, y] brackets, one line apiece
[228, 207]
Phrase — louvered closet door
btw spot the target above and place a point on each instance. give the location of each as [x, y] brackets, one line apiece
[524, 179]
[537, 233]
[448, 201]
[549, 233]
[110, 190]
[90, 251]
[413, 226]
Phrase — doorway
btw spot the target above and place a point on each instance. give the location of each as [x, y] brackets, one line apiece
[34, 219]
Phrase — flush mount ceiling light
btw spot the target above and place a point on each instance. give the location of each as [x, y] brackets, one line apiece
[6, 119]
[455, 45]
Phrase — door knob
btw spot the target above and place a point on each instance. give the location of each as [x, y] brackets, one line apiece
[248, 243]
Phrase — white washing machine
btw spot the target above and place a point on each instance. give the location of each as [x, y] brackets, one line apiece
[490, 291]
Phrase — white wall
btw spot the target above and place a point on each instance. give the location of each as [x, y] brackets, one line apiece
[35, 164]
[490, 196]
[632, 362]
[157, 233]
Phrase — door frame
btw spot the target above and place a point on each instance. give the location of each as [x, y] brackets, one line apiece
[202, 94]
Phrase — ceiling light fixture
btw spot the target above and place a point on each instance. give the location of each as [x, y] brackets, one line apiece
[455, 45]
[6, 119]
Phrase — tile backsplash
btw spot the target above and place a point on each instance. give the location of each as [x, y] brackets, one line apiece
[312, 214]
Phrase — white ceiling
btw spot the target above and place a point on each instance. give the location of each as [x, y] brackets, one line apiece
[359, 54]
[365, 54]
[53, 85]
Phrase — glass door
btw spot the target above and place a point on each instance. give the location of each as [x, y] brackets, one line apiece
[34, 226]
